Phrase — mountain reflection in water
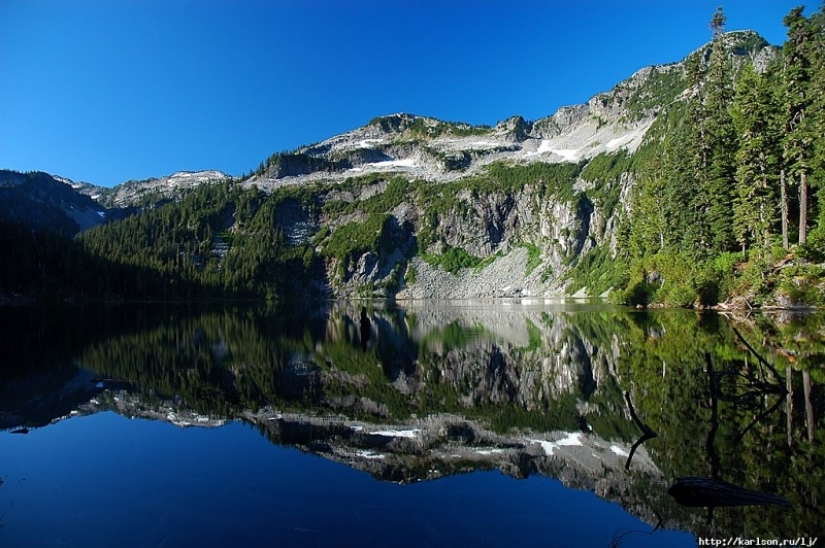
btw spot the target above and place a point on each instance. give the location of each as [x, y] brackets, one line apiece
[442, 389]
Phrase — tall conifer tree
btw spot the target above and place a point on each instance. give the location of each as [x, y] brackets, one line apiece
[755, 117]
[817, 116]
[721, 139]
[798, 138]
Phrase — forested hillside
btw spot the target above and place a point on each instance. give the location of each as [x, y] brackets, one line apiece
[729, 185]
[690, 184]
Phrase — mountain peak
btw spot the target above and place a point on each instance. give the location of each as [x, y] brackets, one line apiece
[158, 189]
[194, 177]
[433, 149]
[742, 46]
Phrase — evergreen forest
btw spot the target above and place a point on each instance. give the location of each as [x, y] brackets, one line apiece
[730, 186]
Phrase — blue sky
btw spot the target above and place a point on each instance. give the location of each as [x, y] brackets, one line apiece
[105, 91]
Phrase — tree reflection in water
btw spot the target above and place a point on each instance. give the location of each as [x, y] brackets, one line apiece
[554, 390]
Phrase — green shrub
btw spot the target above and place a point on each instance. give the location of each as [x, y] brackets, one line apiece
[453, 260]
[355, 238]
[533, 256]
[410, 275]
[679, 294]
[814, 248]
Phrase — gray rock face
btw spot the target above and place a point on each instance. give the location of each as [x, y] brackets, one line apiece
[497, 227]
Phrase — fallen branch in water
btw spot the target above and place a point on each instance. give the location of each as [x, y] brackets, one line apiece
[778, 386]
[647, 432]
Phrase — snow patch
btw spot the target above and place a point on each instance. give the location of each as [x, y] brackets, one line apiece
[398, 433]
[619, 451]
[627, 138]
[368, 143]
[613, 144]
[569, 154]
[407, 162]
[573, 438]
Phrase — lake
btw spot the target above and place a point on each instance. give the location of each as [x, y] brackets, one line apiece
[453, 424]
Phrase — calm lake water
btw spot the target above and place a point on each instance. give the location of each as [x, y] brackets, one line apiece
[457, 424]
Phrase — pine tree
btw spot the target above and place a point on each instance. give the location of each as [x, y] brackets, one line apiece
[650, 223]
[720, 139]
[797, 78]
[817, 117]
[755, 114]
[692, 160]
[710, 145]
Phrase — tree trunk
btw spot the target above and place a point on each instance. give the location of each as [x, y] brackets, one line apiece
[803, 208]
[809, 406]
[784, 208]
[766, 234]
[789, 403]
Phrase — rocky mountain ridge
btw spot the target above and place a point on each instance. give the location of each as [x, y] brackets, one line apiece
[59, 204]
[149, 191]
[426, 148]
[435, 150]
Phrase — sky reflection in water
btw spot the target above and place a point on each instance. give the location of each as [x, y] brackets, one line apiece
[105, 480]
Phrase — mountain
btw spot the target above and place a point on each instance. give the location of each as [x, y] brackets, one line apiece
[56, 203]
[41, 200]
[525, 208]
[435, 150]
[154, 191]
[413, 207]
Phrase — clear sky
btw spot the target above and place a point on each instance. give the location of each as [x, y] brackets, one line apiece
[105, 91]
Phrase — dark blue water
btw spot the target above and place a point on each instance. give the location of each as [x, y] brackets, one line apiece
[106, 480]
[520, 413]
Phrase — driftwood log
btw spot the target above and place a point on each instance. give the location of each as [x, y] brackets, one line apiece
[709, 492]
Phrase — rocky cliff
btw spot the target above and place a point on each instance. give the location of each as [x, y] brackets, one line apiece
[483, 212]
